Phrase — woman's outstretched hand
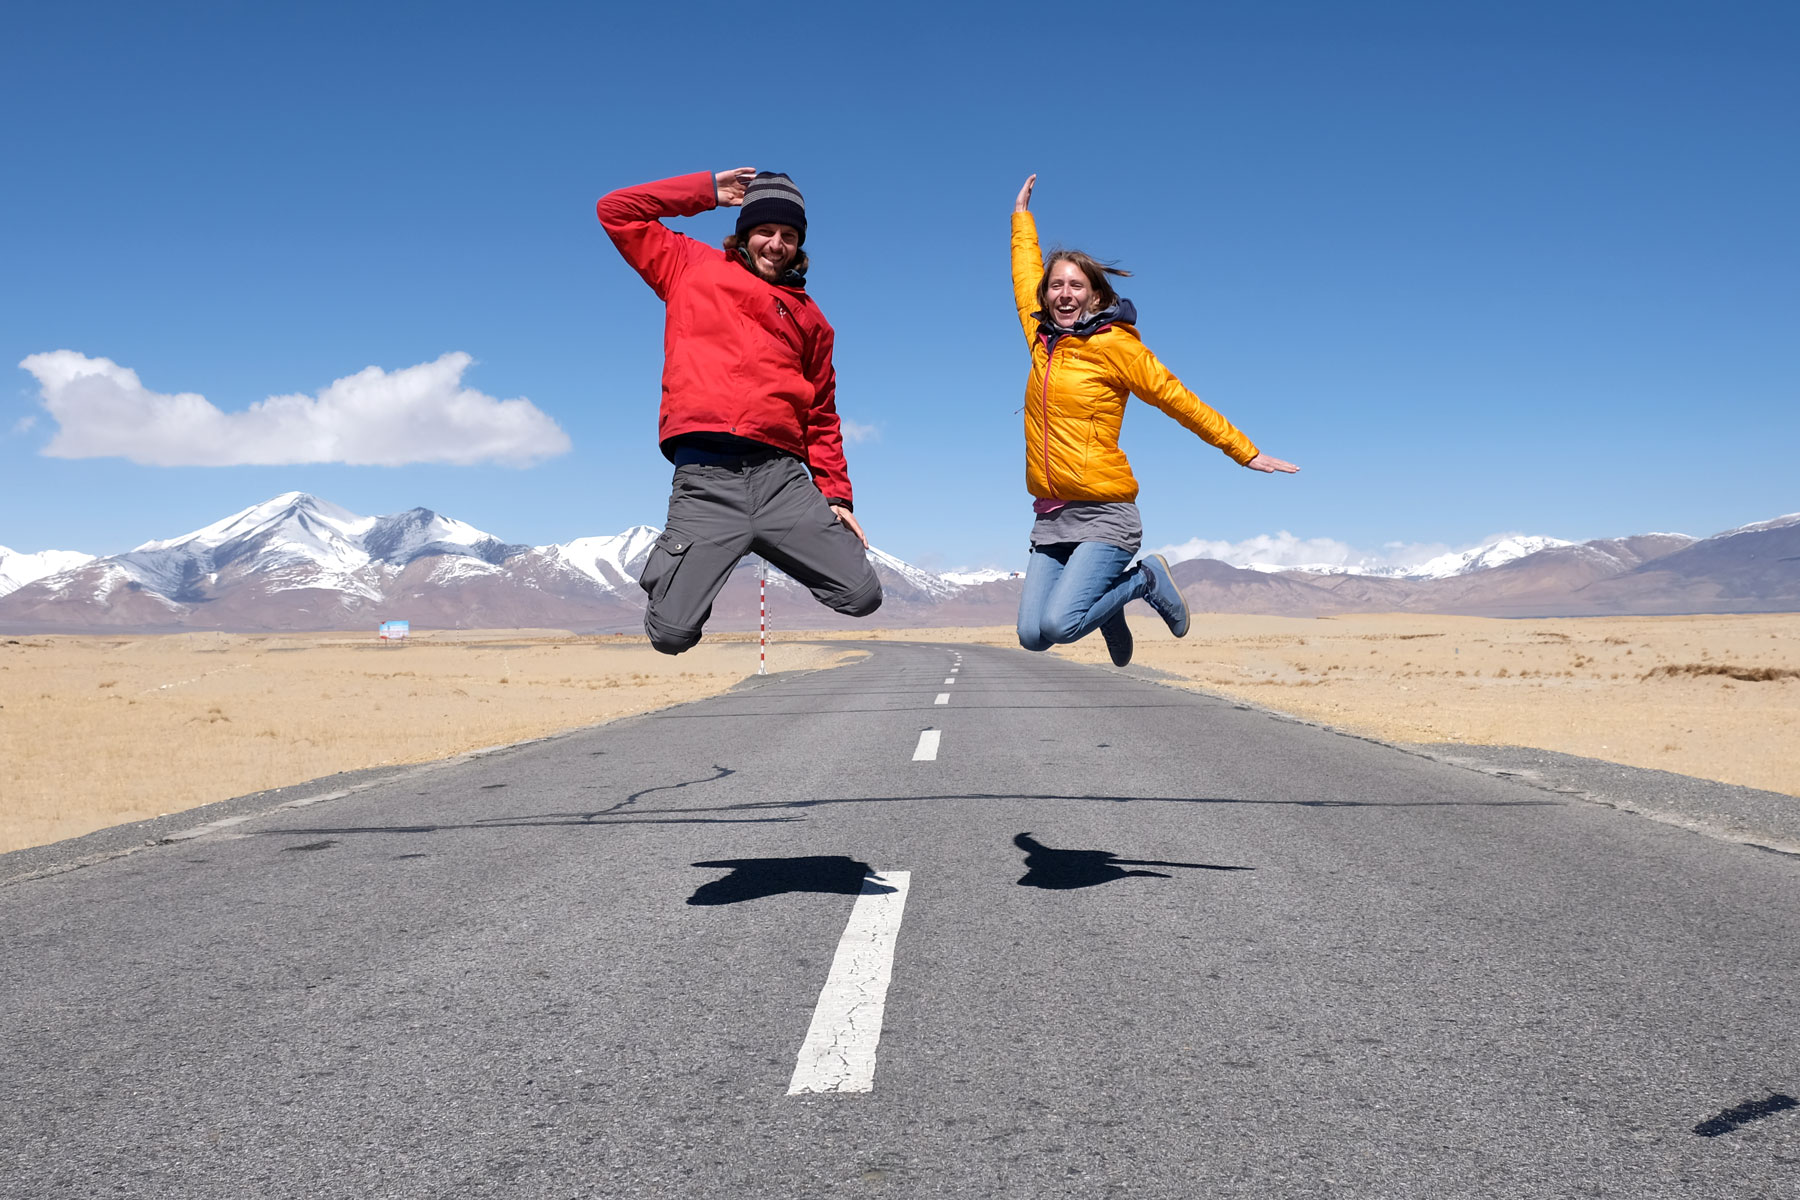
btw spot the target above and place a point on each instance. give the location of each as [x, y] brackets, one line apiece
[1023, 203]
[1264, 462]
[731, 184]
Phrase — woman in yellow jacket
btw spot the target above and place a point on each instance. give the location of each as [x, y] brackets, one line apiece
[1086, 359]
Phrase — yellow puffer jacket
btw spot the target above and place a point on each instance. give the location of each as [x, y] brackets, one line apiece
[1075, 399]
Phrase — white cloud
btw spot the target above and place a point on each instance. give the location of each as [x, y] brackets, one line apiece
[855, 432]
[1283, 550]
[372, 418]
[24, 423]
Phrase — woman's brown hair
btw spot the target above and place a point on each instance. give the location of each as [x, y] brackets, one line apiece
[1096, 272]
[734, 246]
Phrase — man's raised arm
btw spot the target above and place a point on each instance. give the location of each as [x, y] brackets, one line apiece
[633, 216]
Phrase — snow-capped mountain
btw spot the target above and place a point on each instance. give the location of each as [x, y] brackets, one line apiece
[1752, 568]
[297, 529]
[292, 541]
[420, 533]
[928, 584]
[1482, 558]
[292, 561]
[295, 542]
[1760, 526]
[17, 569]
[982, 575]
[612, 562]
[297, 562]
[1490, 554]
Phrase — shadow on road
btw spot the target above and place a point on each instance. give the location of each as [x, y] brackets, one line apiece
[1061, 870]
[754, 878]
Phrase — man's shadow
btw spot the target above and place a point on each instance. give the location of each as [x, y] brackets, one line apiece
[754, 878]
[1061, 870]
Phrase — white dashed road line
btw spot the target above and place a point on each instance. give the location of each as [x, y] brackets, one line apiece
[950, 681]
[943, 698]
[839, 1052]
[926, 750]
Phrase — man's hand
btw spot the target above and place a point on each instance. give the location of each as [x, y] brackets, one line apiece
[731, 184]
[1264, 462]
[1023, 203]
[849, 520]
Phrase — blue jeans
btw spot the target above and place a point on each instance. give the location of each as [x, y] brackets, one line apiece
[1073, 588]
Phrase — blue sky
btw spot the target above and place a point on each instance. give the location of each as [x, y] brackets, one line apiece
[1477, 268]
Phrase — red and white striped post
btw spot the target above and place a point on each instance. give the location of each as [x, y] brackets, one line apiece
[762, 618]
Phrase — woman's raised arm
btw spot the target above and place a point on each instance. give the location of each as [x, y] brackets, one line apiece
[1027, 260]
[1023, 203]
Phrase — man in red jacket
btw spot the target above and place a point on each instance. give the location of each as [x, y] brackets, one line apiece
[749, 412]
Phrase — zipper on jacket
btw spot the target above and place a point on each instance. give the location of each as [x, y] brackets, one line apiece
[1049, 361]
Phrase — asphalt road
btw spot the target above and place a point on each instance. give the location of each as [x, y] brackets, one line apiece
[1152, 944]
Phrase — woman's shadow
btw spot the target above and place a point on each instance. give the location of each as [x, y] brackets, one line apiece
[757, 878]
[1061, 870]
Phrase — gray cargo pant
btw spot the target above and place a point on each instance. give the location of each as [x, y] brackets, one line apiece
[719, 513]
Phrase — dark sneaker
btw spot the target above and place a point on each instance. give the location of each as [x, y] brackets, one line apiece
[1118, 639]
[1164, 596]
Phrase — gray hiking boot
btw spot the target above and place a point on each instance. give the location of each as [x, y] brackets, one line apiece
[1118, 639]
[1164, 596]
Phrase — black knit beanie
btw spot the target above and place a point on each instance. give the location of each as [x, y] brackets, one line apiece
[772, 199]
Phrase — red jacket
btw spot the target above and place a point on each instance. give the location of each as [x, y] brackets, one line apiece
[740, 355]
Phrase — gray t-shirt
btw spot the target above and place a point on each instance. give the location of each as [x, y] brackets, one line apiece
[1112, 522]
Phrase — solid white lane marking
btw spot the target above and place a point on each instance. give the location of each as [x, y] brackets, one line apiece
[839, 1052]
[188, 835]
[943, 698]
[926, 750]
[319, 799]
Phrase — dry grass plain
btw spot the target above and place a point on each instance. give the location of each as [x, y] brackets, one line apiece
[98, 731]
[1716, 697]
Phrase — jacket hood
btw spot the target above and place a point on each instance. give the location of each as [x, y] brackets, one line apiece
[1122, 313]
